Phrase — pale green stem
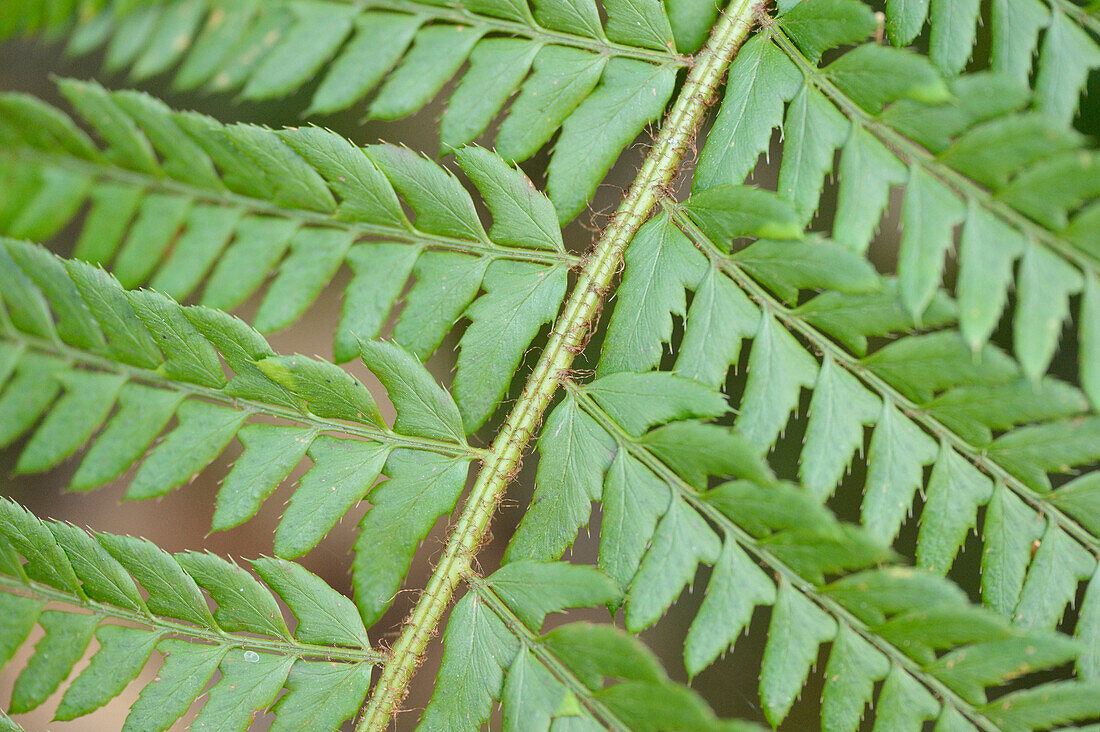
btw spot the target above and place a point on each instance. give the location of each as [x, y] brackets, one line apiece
[566, 340]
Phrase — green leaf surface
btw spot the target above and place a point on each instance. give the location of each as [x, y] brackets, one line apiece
[970, 669]
[695, 451]
[682, 542]
[422, 487]
[343, 472]
[122, 654]
[497, 68]
[186, 670]
[249, 683]
[575, 452]
[315, 256]
[955, 491]
[561, 78]
[904, 703]
[1010, 528]
[930, 212]
[631, 94]
[762, 79]
[442, 206]
[320, 695]
[533, 590]
[1044, 285]
[898, 453]
[718, 307]
[598, 652]
[203, 431]
[88, 399]
[324, 615]
[1057, 566]
[423, 407]
[16, 621]
[436, 54]
[633, 500]
[797, 628]
[818, 26]
[477, 647]
[143, 411]
[66, 637]
[737, 585]
[920, 366]
[171, 591]
[102, 577]
[531, 694]
[188, 356]
[522, 216]
[381, 271]
[660, 263]
[365, 193]
[873, 76]
[778, 369]
[732, 211]
[813, 129]
[326, 388]
[839, 409]
[446, 283]
[1030, 453]
[853, 668]
[270, 453]
[242, 603]
[519, 297]
[46, 560]
[639, 401]
[789, 266]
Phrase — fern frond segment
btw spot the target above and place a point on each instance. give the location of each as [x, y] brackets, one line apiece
[496, 651]
[895, 120]
[281, 409]
[567, 68]
[755, 521]
[236, 203]
[95, 579]
[931, 380]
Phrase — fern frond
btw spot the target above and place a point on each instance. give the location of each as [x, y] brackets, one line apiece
[273, 209]
[494, 650]
[144, 360]
[927, 399]
[1069, 49]
[327, 657]
[567, 69]
[770, 544]
[1019, 184]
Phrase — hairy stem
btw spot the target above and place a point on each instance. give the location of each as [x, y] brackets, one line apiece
[566, 340]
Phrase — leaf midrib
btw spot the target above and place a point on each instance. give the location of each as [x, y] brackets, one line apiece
[410, 235]
[322, 424]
